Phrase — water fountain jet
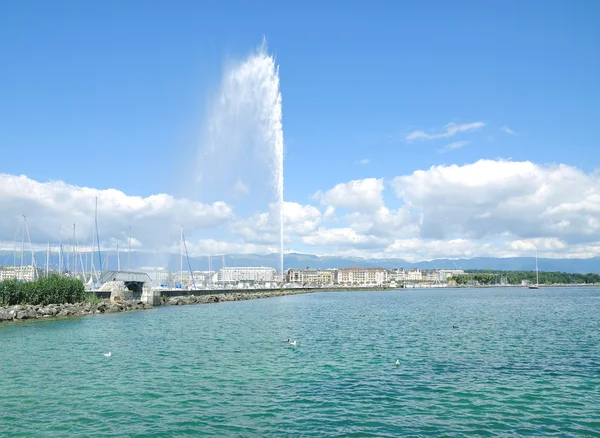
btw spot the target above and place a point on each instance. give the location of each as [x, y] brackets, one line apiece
[243, 133]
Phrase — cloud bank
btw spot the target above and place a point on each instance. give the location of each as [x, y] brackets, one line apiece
[487, 208]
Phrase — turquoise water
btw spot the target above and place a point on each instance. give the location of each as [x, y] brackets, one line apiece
[521, 362]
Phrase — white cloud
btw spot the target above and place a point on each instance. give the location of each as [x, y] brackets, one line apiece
[417, 249]
[364, 161]
[155, 220]
[342, 237]
[488, 208]
[263, 228]
[329, 212]
[507, 130]
[453, 145]
[300, 219]
[359, 195]
[540, 244]
[383, 222]
[489, 198]
[450, 130]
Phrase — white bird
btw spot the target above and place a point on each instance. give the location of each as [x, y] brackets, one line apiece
[293, 343]
[397, 362]
[109, 354]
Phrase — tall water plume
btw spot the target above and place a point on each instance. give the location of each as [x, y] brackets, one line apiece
[244, 140]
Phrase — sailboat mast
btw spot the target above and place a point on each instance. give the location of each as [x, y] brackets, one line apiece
[47, 259]
[22, 243]
[68, 263]
[118, 259]
[15, 247]
[187, 256]
[98, 236]
[78, 254]
[59, 252]
[181, 258]
[31, 246]
[129, 251]
[74, 256]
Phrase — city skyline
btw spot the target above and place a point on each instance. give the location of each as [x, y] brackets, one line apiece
[437, 134]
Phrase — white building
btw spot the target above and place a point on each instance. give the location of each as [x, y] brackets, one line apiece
[446, 274]
[22, 273]
[158, 275]
[362, 276]
[398, 275]
[250, 274]
[431, 275]
[311, 276]
[414, 275]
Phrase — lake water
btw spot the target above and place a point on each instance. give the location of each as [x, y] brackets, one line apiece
[522, 361]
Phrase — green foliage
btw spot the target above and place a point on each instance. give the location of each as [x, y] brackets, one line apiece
[516, 277]
[92, 298]
[50, 290]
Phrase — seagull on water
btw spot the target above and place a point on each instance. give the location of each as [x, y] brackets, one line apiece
[109, 354]
[292, 343]
[397, 362]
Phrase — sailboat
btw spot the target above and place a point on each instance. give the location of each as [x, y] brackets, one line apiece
[537, 275]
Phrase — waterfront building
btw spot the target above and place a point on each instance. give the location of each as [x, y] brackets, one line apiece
[311, 276]
[201, 278]
[431, 275]
[414, 275]
[251, 274]
[362, 276]
[158, 275]
[446, 274]
[398, 275]
[21, 273]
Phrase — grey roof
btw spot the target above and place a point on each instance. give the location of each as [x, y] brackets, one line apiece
[140, 277]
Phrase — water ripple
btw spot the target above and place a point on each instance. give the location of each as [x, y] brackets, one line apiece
[521, 363]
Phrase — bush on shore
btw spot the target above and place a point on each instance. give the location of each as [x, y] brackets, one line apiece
[50, 290]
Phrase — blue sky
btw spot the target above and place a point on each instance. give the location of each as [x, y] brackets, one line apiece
[90, 88]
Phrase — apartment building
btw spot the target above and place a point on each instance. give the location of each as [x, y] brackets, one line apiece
[252, 274]
[21, 273]
[311, 276]
[362, 276]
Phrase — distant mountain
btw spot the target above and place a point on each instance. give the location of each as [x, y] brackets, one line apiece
[141, 259]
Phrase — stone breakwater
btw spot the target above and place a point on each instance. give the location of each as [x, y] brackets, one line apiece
[24, 312]
[232, 296]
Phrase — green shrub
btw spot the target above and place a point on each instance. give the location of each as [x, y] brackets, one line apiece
[92, 298]
[50, 290]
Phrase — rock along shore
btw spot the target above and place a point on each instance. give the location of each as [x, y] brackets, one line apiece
[233, 296]
[24, 312]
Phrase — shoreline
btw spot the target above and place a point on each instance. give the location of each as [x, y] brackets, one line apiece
[35, 312]
[171, 293]
[207, 296]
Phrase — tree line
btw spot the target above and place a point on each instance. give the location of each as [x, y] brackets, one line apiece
[490, 277]
[44, 291]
